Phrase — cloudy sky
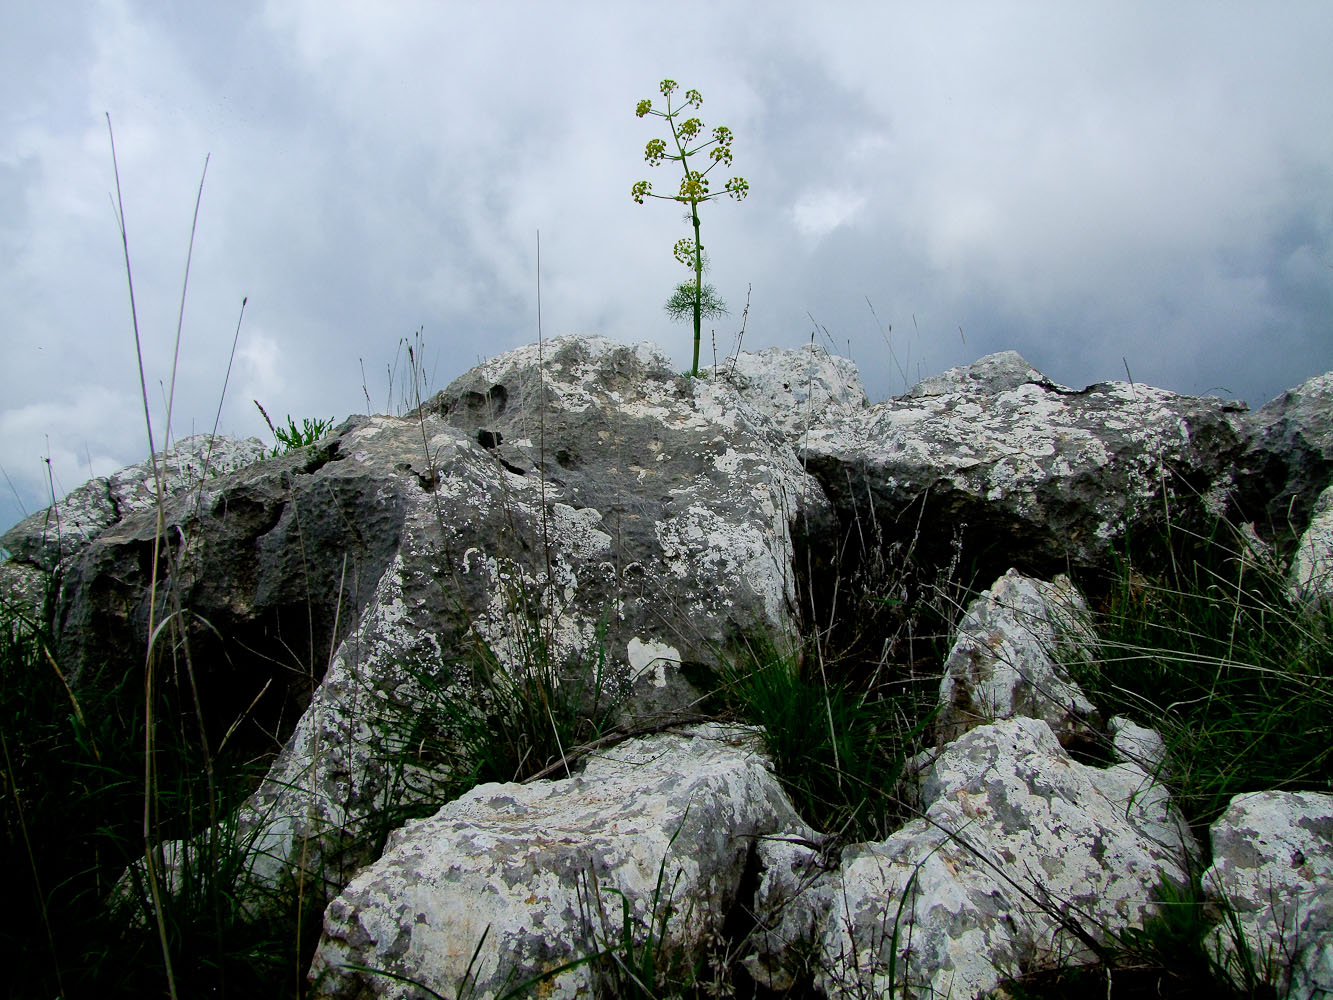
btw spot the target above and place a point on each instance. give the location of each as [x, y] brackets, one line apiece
[1100, 187]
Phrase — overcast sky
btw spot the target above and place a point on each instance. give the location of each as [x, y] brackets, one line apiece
[1097, 186]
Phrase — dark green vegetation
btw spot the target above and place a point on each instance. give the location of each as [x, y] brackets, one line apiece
[73, 820]
[292, 437]
[1199, 639]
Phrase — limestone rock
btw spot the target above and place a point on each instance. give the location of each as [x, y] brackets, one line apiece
[801, 390]
[1022, 859]
[1288, 458]
[1311, 576]
[46, 542]
[582, 503]
[1021, 471]
[527, 878]
[48, 537]
[791, 906]
[579, 502]
[1135, 744]
[1008, 660]
[1273, 868]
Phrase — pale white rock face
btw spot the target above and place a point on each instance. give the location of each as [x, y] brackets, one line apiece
[523, 876]
[1273, 868]
[792, 903]
[1007, 659]
[798, 389]
[1311, 577]
[1135, 744]
[1021, 851]
[651, 659]
[1060, 472]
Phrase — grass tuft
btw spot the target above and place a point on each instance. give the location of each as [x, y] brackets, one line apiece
[1199, 638]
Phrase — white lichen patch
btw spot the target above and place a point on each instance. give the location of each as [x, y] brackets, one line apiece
[652, 657]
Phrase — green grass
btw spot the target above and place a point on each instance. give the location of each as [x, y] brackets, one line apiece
[838, 751]
[1199, 640]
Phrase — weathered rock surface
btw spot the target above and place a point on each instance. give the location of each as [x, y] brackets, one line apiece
[1311, 577]
[1273, 868]
[513, 881]
[802, 390]
[1288, 458]
[1008, 660]
[1022, 471]
[45, 542]
[661, 531]
[48, 537]
[1022, 859]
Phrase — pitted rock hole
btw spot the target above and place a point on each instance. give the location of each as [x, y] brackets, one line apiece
[491, 402]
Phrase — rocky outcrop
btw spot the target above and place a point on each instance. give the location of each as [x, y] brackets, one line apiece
[651, 839]
[1022, 472]
[1009, 659]
[578, 504]
[1270, 886]
[578, 501]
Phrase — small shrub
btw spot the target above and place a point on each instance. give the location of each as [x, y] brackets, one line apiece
[292, 437]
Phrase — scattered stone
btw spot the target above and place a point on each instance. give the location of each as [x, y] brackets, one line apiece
[1009, 660]
[1273, 869]
[511, 882]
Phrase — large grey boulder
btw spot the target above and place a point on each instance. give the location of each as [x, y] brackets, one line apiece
[581, 503]
[1021, 471]
[694, 488]
[1009, 658]
[512, 881]
[1023, 859]
[1288, 458]
[46, 542]
[1272, 873]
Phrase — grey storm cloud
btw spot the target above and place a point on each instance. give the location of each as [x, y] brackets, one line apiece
[1103, 187]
